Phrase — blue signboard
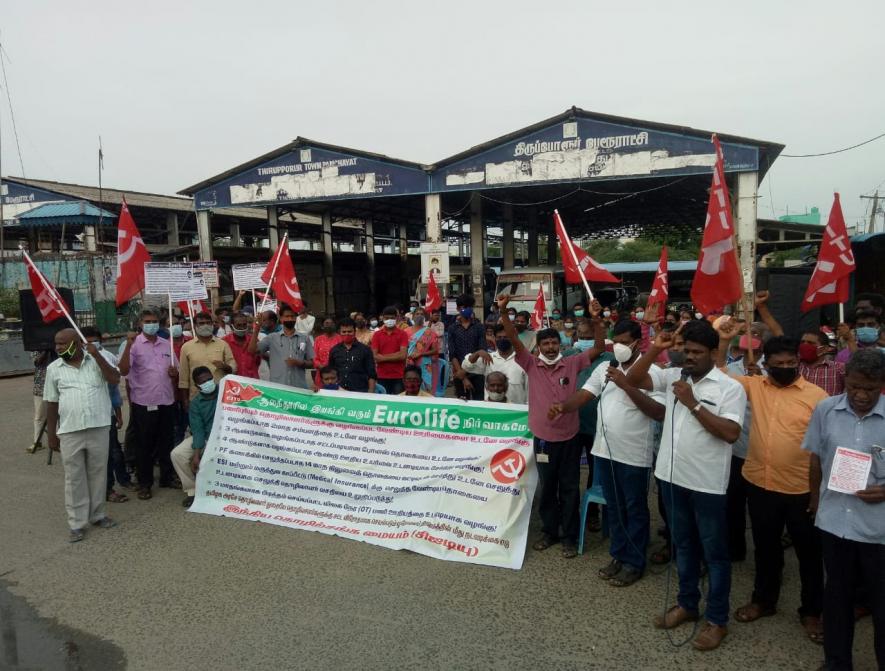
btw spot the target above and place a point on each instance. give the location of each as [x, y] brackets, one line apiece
[14, 193]
[581, 149]
[311, 174]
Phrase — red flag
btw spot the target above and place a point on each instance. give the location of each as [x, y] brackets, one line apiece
[540, 310]
[48, 299]
[280, 276]
[593, 271]
[131, 257]
[185, 307]
[717, 280]
[835, 263]
[433, 301]
[660, 291]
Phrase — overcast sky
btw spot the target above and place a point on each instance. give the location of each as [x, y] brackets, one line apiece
[180, 91]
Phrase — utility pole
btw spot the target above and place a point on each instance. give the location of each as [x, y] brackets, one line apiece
[871, 226]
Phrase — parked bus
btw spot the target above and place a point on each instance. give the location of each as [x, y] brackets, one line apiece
[523, 283]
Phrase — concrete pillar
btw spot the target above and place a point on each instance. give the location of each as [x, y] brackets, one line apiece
[433, 217]
[273, 227]
[746, 229]
[235, 240]
[402, 246]
[204, 234]
[532, 232]
[370, 264]
[477, 252]
[508, 243]
[328, 264]
[89, 238]
[172, 238]
[552, 246]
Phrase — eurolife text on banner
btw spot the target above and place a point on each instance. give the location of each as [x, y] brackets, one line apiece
[433, 300]
[660, 290]
[280, 276]
[592, 271]
[443, 478]
[131, 257]
[540, 310]
[717, 280]
[835, 263]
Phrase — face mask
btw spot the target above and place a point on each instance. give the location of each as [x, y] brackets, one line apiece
[676, 358]
[418, 321]
[204, 331]
[348, 339]
[606, 314]
[622, 352]
[239, 332]
[331, 387]
[783, 376]
[176, 331]
[866, 334]
[497, 396]
[698, 315]
[329, 329]
[150, 329]
[361, 324]
[503, 344]
[390, 323]
[374, 323]
[584, 345]
[226, 319]
[569, 326]
[548, 360]
[807, 352]
[208, 387]
[467, 313]
[69, 352]
[289, 324]
[556, 315]
[640, 316]
[579, 313]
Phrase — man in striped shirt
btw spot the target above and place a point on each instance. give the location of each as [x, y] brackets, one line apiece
[78, 414]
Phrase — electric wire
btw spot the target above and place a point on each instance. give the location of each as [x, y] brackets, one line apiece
[18, 144]
[836, 151]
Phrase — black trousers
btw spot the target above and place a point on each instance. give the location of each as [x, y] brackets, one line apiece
[736, 511]
[392, 385]
[479, 385]
[851, 565]
[153, 442]
[769, 512]
[560, 488]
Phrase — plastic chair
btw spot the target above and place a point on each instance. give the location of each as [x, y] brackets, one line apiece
[592, 495]
[379, 389]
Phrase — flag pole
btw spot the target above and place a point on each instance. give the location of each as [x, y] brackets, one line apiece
[54, 294]
[284, 243]
[171, 343]
[254, 305]
[574, 256]
[190, 314]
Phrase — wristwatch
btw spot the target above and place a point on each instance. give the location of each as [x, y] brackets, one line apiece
[695, 410]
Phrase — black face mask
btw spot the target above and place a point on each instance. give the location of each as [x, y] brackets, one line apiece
[289, 324]
[503, 344]
[329, 329]
[783, 376]
[676, 358]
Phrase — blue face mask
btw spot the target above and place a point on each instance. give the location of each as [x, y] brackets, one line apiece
[331, 387]
[467, 313]
[208, 387]
[176, 331]
[150, 329]
[584, 345]
[579, 313]
[866, 334]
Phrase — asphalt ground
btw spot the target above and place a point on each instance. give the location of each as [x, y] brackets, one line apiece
[170, 589]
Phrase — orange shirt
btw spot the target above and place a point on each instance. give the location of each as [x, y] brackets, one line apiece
[775, 460]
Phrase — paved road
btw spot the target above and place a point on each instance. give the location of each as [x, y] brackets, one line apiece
[169, 589]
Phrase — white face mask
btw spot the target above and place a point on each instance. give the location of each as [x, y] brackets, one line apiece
[497, 396]
[373, 323]
[390, 323]
[622, 352]
[548, 360]
[698, 315]
[569, 326]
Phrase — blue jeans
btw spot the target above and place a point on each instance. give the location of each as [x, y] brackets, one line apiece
[627, 510]
[699, 527]
[116, 462]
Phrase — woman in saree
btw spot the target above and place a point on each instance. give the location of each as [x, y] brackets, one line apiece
[423, 352]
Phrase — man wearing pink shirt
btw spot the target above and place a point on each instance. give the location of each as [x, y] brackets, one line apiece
[151, 372]
[552, 379]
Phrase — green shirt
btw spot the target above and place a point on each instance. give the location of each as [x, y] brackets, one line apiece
[202, 414]
[587, 413]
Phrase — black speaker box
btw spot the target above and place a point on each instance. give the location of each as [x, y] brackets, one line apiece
[37, 335]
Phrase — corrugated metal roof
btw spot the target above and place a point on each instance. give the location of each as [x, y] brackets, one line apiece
[69, 213]
[649, 266]
[863, 237]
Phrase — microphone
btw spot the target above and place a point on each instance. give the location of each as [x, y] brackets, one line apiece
[611, 364]
[683, 375]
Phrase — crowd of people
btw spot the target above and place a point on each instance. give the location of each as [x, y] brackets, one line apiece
[727, 419]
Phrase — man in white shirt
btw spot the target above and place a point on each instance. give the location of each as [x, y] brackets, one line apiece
[623, 451]
[502, 360]
[704, 412]
[305, 322]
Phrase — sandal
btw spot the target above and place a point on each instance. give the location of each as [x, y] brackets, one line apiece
[608, 572]
[626, 577]
[116, 497]
[752, 612]
[543, 543]
[569, 551]
[661, 556]
[814, 628]
[144, 494]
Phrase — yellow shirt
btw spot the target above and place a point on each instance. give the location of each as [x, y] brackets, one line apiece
[421, 392]
[776, 460]
[195, 353]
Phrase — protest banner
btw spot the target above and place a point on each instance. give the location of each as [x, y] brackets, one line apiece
[443, 478]
[435, 259]
[167, 278]
[247, 276]
[209, 269]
